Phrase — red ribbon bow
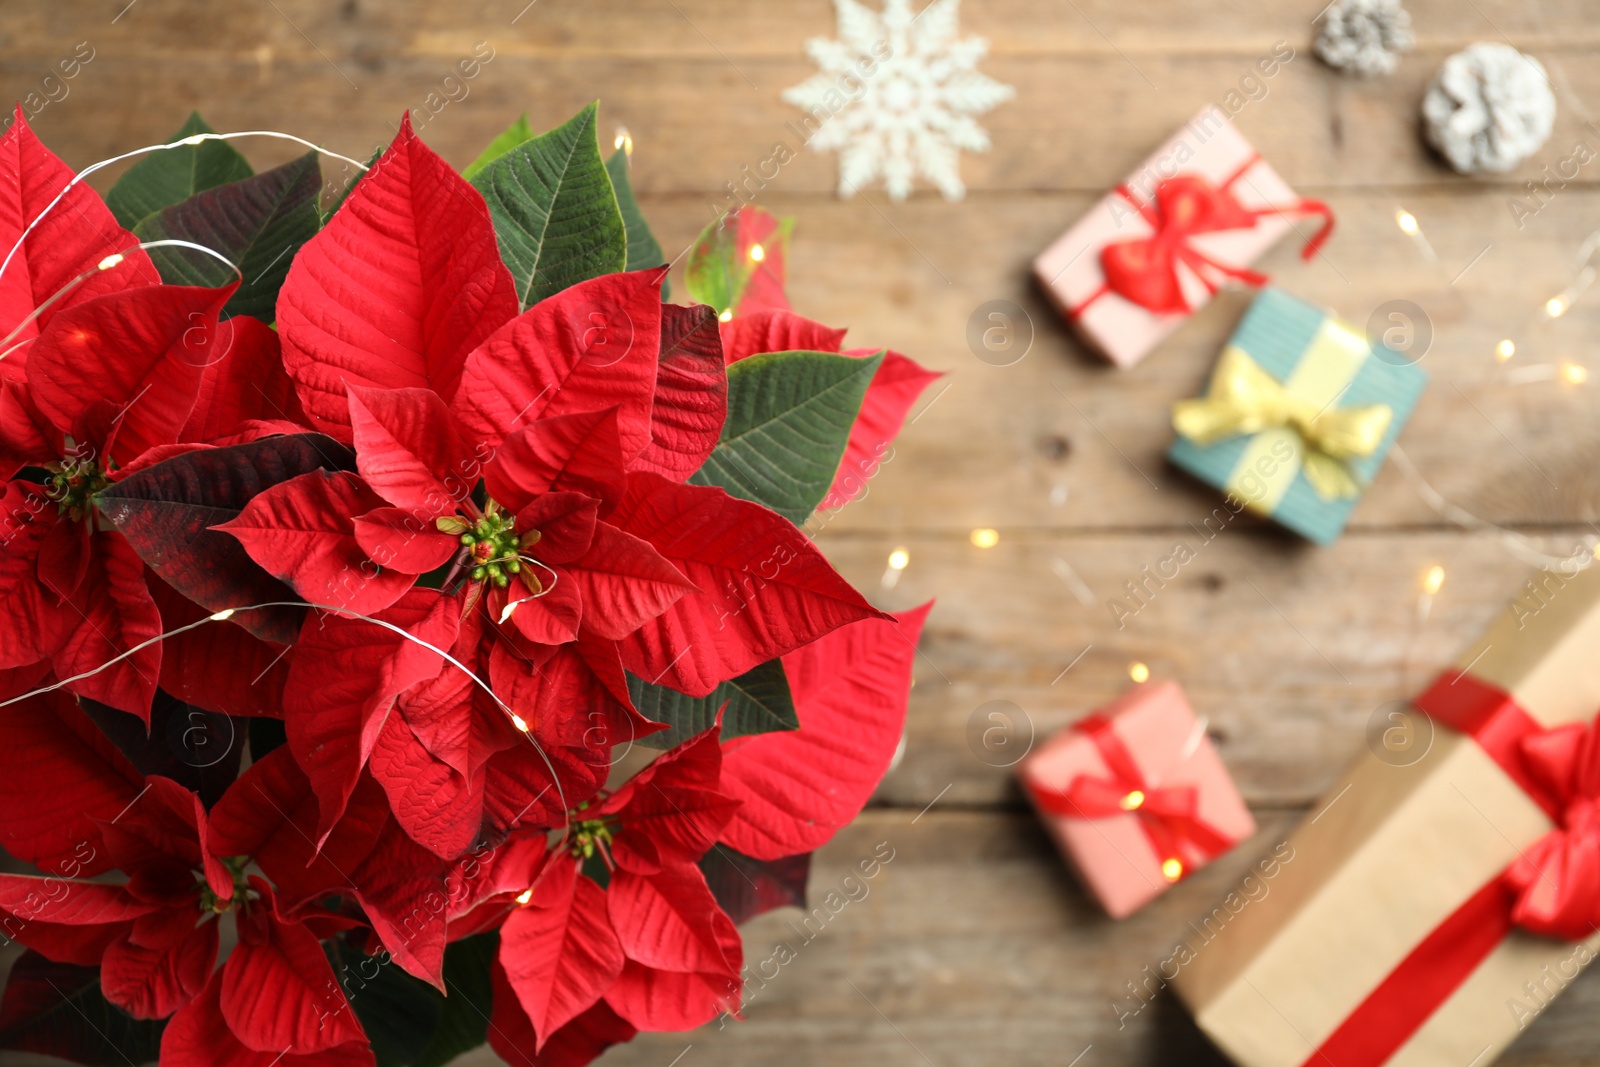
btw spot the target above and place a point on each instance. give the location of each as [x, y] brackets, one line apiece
[1169, 815]
[1144, 270]
[1557, 879]
[1552, 889]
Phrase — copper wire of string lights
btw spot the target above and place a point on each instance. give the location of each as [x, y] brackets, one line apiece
[1519, 545]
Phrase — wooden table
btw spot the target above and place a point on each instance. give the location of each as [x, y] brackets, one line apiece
[973, 946]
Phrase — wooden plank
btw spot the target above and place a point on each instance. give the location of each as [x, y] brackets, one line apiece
[1060, 440]
[1289, 651]
[710, 29]
[1320, 130]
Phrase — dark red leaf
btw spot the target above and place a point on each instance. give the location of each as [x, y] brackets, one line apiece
[746, 887]
[167, 513]
[198, 749]
[159, 839]
[402, 888]
[58, 1010]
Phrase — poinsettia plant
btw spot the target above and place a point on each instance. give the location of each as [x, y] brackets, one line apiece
[405, 604]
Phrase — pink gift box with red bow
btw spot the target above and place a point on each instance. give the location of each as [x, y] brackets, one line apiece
[1135, 796]
[1193, 217]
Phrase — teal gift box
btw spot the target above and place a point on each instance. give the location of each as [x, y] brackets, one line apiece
[1299, 414]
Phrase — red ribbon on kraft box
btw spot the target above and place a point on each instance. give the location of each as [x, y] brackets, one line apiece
[1551, 890]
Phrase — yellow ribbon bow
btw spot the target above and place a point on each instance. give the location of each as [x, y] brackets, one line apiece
[1244, 399]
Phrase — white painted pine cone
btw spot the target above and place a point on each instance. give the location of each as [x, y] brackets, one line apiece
[1364, 37]
[1489, 108]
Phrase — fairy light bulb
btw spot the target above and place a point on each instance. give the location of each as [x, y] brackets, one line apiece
[110, 261]
[898, 559]
[1133, 801]
[985, 537]
[1574, 374]
[1172, 868]
[1407, 222]
[1433, 581]
[757, 253]
[524, 896]
[1556, 306]
[726, 316]
[519, 722]
[1138, 672]
[1505, 349]
[624, 141]
[222, 616]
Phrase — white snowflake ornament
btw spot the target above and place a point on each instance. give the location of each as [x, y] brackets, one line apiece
[897, 95]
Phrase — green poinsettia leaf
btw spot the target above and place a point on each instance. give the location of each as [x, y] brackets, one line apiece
[57, 1009]
[554, 210]
[514, 134]
[758, 702]
[789, 419]
[464, 1017]
[709, 273]
[722, 267]
[163, 178]
[643, 248]
[398, 1011]
[258, 223]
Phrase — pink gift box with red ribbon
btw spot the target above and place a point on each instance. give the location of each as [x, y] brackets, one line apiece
[1135, 796]
[1194, 216]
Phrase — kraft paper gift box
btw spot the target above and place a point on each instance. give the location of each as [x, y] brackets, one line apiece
[1443, 892]
[1298, 416]
[1135, 797]
[1194, 216]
